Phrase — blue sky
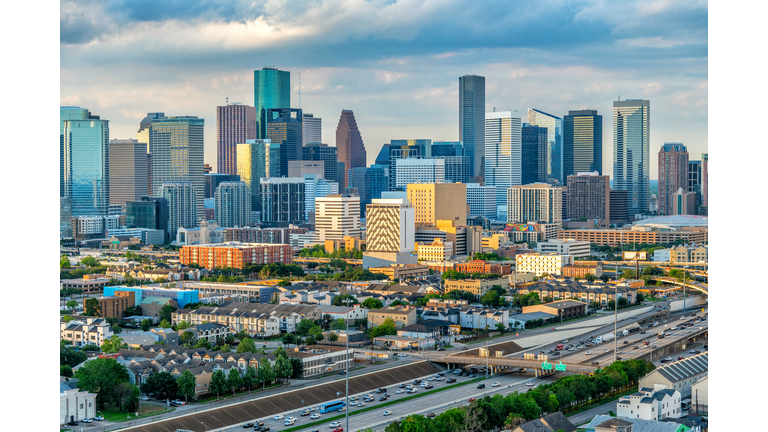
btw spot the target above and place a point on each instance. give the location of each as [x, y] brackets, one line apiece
[395, 63]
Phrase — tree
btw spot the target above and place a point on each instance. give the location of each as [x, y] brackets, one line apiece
[203, 343]
[112, 344]
[611, 304]
[186, 337]
[234, 381]
[162, 384]
[90, 261]
[339, 299]
[590, 277]
[387, 328]
[101, 376]
[373, 303]
[304, 326]
[70, 356]
[183, 325]
[92, 307]
[594, 304]
[166, 313]
[623, 302]
[491, 298]
[250, 377]
[265, 372]
[218, 383]
[64, 262]
[146, 324]
[333, 337]
[66, 371]
[91, 347]
[547, 299]
[640, 297]
[186, 384]
[298, 367]
[500, 328]
[246, 345]
[72, 304]
[164, 323]
[339, 324]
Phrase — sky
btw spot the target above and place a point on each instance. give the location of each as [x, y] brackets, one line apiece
[396, 64]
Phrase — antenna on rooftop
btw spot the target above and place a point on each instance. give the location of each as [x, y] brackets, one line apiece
[299, 90]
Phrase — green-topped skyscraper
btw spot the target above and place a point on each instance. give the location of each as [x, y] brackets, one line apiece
[271, 89]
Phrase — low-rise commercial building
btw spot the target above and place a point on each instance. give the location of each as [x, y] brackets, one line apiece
[570, 247]
[402, 271]
[401, 315]
[483, 267]
[180, 295]
[478, 287]
[92, 286]
[680, 375]
[564, 309]
[638, 234]
[321, 359]
[580, 270]
[540, 263]
[151, 306]
[75, 405]
[438, 250]
[114, 306]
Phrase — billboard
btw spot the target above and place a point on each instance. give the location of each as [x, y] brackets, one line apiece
[523, 228]
[455, 329]
[641, 256]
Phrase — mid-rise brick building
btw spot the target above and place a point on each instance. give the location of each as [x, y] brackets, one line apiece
[485, 267]
[114, 306]
[235, 255]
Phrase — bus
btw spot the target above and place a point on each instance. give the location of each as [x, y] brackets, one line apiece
[332, 406]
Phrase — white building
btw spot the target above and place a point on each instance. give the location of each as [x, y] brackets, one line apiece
[182, 205]
[438, 250]
[304, 240]
[91, 331]
[233, 204]
[315, 187]
[146, 235]
[503, 153]
[90, 225]
[539, 264]
[311, 129]
[481, 200]
[413, 170]
[337, 216]
[539, 202]
[207, 233]
[481, 318]
[570, 247]
[662, 255]
[348, 313]
[390, 229]
[656, 403]
[75, 405]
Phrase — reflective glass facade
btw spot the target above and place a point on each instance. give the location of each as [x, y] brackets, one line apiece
[284, 127]
[405, 149]
[86, 166]
[447, 148]
[67, 113]
[150, 213]
[271, 89]
[370, 183]
[257, 159]
[631, 152]
[503, 153]
[327, 154]
[554, 127]
[582, 142]
[534, 154]
[472, 121]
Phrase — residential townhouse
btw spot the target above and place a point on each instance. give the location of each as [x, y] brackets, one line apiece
[481, 319]
[255, 318]
[680, 375]
[209, 331]
[583, 292]
[650, 403]
[88, 331]
[401, 315]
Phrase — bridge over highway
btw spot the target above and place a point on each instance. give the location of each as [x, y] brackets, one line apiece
[698, 286]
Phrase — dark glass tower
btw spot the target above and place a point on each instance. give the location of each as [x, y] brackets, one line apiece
[271, 89]
[325, 153]
[212, 181]
[284, 127]
[534, 154]
[632, 152]
[150, 213]
[554, 127]
[370, 183]
[472, 121]
[85, 164]
[582, 142]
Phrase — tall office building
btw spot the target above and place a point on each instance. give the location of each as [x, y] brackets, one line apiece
[534, 154]
[472, 121]
[632, 152]
[588, 196]
[390, 231]
[271, 89]
[694, 176]
[503, 153]
[439, 201]
[317, 151]
[383, 157]
[370, 182]
[233, 204]
[704, 179]
[182, 198]
[85, 162]
[235, 123]
[177, 156]
[65, 217]
[212, 181]
[150, 213]
[538, 202]
[257, 159]
[582, 142]
[127, 171]
[673, 174]
[619, 207]
[299, 168]
[456, 168]
[68, 113]
[419, 171]
[284, 128]
[143, 137]
[447, 148]
[314, 187]
[406, 149]
[282, 200]
[481, 200]
[554, 127]
[337, 216]
[312, 129]
[349, 144]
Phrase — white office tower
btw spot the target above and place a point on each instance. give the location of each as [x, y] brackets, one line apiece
[481, 200]
[537, 202]
[503, 153]
[315, 186]
[410, 171]
[311, 129]
[182, 205]
[337, 216]
[233, 205]
[390, 229]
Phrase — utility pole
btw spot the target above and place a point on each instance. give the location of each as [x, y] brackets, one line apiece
[346, 370]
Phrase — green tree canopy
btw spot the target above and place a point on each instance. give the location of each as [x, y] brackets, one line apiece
[102, 376]
[339, 300]
[218, 383]
[373, 303]
[183, 325]
[92, 307]
[234, 381]
[246, 346]
[203, 343]
[90, 261]
[147, 324]
[386, 328]
[112, 344]
[186, 385]
[64, 262]
[162, 384]
[283, 368]
[265, 372]
[166, 313]
[250, 377]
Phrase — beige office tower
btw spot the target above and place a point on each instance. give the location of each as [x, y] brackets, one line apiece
[439, 201]
[390, 231]
[537, 202]
[337, 216]
[127, 171]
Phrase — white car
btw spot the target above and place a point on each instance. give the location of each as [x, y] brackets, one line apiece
[496, 384]
[145, 398]
[439, 379]
[529, 384]
[289, 422]
[315, 416]
[361, 404]
[431, 378]
[86, 420]
[589, 352]
[409, 386]
[386, 413]
[335, 424]
[278, 417]
[413, 390]
[353, 403]
[399, 391]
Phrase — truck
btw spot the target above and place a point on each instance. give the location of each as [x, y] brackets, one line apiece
[625, 332]
[559, 347]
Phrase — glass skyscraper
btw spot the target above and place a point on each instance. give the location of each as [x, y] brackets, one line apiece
[631, 151]
[554, 127]
[582, 142]
[405, 149]
[85, 162]
[317, 151]
[257, 159]
[67, 113]
[447, 148]
[271, 89]
[534, 154]
[284, 127]
[370, 183]
[503, 153]
[472, 121]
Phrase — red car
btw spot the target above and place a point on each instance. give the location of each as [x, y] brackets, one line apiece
[338, 430]
[680, 358]
[471, 399]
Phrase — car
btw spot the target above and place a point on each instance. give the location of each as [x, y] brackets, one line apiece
[556, 353]
[633, 316]
[86, 420]
[471, 400]
[618, 358]
[278, 417]
[73, 423]
[431, 415]
[642, 332]
[416, 381]
[431, 378]
[335, 424]
[451, 380]
[697, 352]
[626, 342]
[605, 350]
[570, 349]
[680, 357]
[687, 331]
[265, 429]
[342, 372]
[402, 385]
[290, 418]
[439, 379]
[306, 413]
[634, 347]
[428, 386]
[387, 413]
[248, 425]
[315, 416]
[145, 398]
[382, 398]
[705, 346]
[481, 386]
[99, 418]
[529, 383]
[441, 349]
[289, 423]
[565, 341]
[338, 429]
[399, 391]
[496, 384]
[413, 390]
[360, 404]
[595, 362]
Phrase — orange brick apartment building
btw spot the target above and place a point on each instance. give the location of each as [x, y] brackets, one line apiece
[235, 255]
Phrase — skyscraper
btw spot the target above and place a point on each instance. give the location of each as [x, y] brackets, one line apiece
[673, 174]
[456, 168]
[177, 146]
[257, 159]
[143, 136]
[150, 213]
[323, 152]
[705, 180]
[534, 154]
[370, 182]
[582, 142]
[235, 123]
[349, 143]
[481, 200]
[271, 89]
[447, 148]
[554, 127]
[67, 113]
[472, 121]
[233, 205]
[439, 201]
[312, 129]
[503, 153]
[85, 163]
[538, 202]
[390, 231]
[406, 149]
[182, 198]
[284, 128]
[212, 181]
[315, 186]
[282, 200]
[631, 152]
[410, 171]
[589, 196]
[127, 171]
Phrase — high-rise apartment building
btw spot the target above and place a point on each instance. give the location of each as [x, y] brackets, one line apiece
[349, 144]
[582, 142]
[419, 171]
[554, 127]
[177, 156]
[316, 187]
[534, 154]
[589, 196]
[284, 128]
[257, 159]
[182, 199]
[212, 181]
[683, 203]
[143, 137]
[390, 231]
[673, 174]
[481, 200]
[235, 123]
[537, 202]
[439, 201]
[282, 200]
[150, 213]
[370, 182]
[337, 216]
[271, 89]
[85, 162]
[316, 151]
[631, 151]
[127, 171]
[233, 204]
[312, 129]
[503, 153]
[472, 121]
[694, 176]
